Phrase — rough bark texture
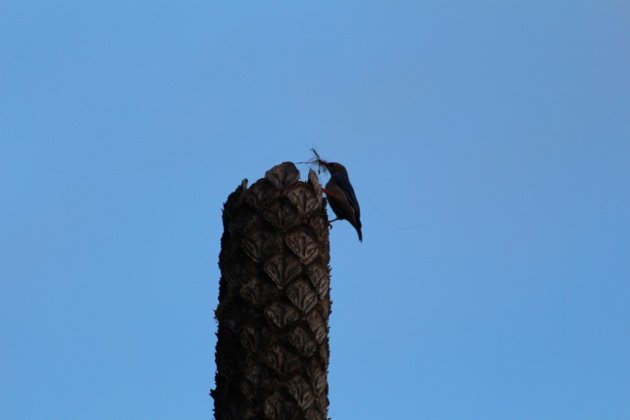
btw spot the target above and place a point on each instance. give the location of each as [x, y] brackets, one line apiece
[274, 301]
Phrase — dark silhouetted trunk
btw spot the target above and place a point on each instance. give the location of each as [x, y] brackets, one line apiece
[274, 301]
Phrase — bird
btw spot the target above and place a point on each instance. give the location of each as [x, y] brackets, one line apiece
[341, 195]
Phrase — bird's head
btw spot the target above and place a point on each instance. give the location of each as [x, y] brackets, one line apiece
[334, 168]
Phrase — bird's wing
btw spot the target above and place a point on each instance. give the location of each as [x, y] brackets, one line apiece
[346, 186]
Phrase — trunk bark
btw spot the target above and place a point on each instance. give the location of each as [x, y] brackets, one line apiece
[274, 301]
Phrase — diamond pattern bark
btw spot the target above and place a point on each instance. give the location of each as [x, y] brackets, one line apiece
[274, 301]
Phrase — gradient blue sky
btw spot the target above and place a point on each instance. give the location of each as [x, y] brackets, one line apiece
[500, 129]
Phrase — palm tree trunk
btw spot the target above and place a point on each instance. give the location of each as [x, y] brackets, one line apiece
[274, 301]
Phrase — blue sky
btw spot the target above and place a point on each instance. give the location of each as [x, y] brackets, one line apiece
[489, 144]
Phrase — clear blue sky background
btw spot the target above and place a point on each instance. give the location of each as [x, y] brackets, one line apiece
[500, 129]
